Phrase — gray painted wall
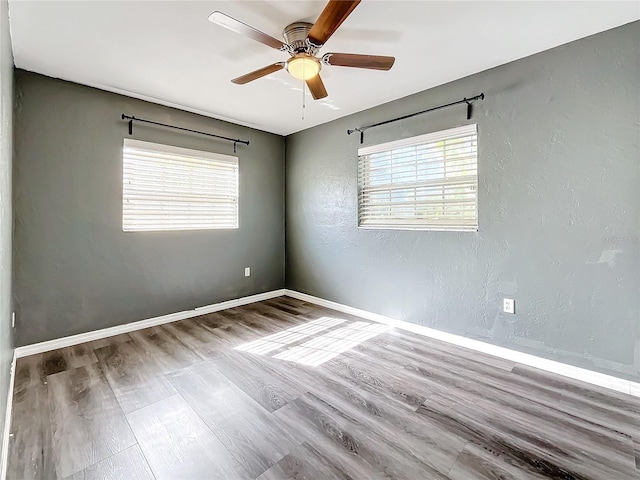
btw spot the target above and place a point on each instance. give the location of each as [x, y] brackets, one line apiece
[6, 222]
[76, 271]
[559, 210]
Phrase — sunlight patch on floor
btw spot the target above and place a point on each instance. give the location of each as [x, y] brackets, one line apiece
[319, 349]
[291, 335]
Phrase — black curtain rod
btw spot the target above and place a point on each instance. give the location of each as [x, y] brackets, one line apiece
[132, 119]
[464, 100]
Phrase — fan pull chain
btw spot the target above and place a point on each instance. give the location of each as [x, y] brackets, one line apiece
[304, 85]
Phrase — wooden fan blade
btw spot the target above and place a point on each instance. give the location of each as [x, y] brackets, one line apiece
[373, 62]
[316, 87]
[330, 19]
[243, 29]
[249, 77]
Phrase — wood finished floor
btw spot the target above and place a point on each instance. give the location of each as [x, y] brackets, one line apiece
[309, 393]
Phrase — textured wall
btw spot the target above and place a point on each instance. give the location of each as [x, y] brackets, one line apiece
[559, 210]
[6, 222]
[76, 271]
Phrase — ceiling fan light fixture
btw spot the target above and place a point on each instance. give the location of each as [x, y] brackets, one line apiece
[303, 43]
[303, 67]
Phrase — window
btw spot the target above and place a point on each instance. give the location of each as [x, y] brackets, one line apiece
[427, 182]
[171, 188]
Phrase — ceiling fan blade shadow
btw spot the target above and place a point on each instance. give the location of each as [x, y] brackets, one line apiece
[350, 34]
[330, 19]
[262, 72]
[372, 62]
[237, 26]
[316, 87]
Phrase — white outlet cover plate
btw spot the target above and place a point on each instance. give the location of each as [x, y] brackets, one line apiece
[247, 271]
[509, 305]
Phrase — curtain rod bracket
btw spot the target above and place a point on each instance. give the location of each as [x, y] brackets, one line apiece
[354, 130]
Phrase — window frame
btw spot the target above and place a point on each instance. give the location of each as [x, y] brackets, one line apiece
[187, 152]
[441, 135]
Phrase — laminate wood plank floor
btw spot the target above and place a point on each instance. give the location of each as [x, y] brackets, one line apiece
[87, 424]
[129, 463]
[179, 445]
[133, 376]
[283, 389]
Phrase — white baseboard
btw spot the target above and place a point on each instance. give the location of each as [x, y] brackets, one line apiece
[569, 371]
[4, 460]
[577, 373]
[149, 322]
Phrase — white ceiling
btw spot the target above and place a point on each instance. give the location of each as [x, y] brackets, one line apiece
[167, 52]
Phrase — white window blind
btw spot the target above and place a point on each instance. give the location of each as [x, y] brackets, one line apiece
[171, 188]
[428, 182]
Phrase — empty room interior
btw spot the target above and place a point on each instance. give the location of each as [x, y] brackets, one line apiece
[336, 239]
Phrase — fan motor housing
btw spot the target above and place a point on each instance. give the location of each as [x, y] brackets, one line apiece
[295, 35]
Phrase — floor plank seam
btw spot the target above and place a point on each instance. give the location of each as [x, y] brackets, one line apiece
[203, 420]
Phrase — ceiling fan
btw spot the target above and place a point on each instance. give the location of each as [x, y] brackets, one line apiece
[303, 42]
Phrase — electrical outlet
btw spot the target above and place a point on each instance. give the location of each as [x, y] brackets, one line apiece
[509, 305]
[13, 319]
[247, 271]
